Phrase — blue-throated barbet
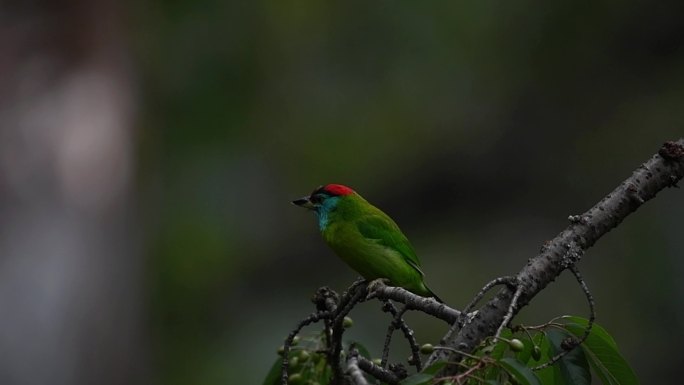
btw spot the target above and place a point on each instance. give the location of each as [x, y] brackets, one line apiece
[366, 238]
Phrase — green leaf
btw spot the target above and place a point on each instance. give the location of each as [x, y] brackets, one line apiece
[362, 349]
[519, 371]
[434, 368]
[596, 329]
[546, 375]
[426, 376]
[501, 346]
[273, 376]
[525, 354]
[573, 367]
[418, 379]
[603, 354]
[493, 371]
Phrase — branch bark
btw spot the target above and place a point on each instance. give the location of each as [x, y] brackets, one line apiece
[663, 170]
[416, 302]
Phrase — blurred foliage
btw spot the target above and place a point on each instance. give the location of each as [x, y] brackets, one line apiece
[478, 125]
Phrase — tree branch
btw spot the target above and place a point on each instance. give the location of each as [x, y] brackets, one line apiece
[415, 302]
[355, 374]
[399, 323]
[378, 372]
[663, 170]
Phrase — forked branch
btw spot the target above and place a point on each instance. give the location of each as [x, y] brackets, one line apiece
[663, 170]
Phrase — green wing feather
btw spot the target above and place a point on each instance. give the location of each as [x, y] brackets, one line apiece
[383, 230]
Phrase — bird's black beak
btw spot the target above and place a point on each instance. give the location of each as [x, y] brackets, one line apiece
[303, 202]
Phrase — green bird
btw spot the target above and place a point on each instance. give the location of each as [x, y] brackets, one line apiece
[366, 238]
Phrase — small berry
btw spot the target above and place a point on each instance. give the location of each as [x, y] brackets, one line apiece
[516, 345]
[536, 353]
[304, 355]
[295, 379]
[294, 362]
[347, 322]
[427, 349]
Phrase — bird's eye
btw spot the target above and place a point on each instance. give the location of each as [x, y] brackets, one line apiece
[316, 198]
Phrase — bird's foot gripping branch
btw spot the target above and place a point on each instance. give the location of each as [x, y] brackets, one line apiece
[483, 345]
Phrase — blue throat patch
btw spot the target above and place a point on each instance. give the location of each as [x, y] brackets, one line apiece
[324, 209]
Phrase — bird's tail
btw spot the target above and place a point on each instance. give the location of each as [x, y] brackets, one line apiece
[432, 294]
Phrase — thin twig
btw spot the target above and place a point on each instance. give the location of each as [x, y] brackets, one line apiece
[355, 294]
[459, 352]
[590, 300]
[314, 317]
[511, 310]
[469, 372]
[592, 316]
[399, 323]
[507, 280]
[326, 299]
[388, 337]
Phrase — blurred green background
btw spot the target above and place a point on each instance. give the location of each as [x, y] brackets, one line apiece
[149, 151]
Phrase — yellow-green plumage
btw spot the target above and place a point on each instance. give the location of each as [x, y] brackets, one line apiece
[368, 240]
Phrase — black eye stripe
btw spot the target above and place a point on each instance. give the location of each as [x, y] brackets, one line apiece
[319, 194]
[318, 197]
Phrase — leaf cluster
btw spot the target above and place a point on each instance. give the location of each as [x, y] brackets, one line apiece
[520, 357]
